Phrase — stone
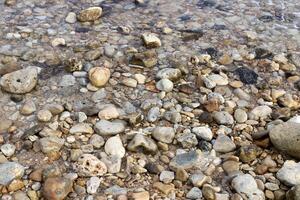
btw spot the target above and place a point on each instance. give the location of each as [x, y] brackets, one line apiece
[108, 112]
[89, 14]
[271, 186]
[130, 82]
[58, 42]
[224, 144]
[21, 81]
[89, 165]
[113, 163]
[44, 115]
[5, 124]
[246, 184]
[293, 193]
[218, 79]
[107, 128]
[260, 112]
[286, 137]
[97, 141]
[51, 144]
[20, 195]
[248, 153]
[166, 176]
[142, 143]
[194, 193]
[153, 114]
[28, 108]
[81, 128]
[185, 160]
[289, 174]
[164, 134]
[140, 78]
[57, 188]
[99, 76]
[246, 75]
[8, 149]
[164, 188]
[187, 140]
[230, 166]
[173, 116]
[203, 132]
[140, 195]
[198, 179]
[169, 73]
[208, 192]
[223, 118]
[92, 185]
[114, 146]
[146, 59]
[115, 191]
[181, 174]
[240, 115]
[151, 40]
[71, 18]
[67, 80]
[10, 171]
[165, 85]
[15, 185]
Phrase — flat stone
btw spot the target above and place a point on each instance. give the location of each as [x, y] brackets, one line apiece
[107, 128]
[224, 144]
[142, 143]
[10, 171]
[289, 174]
[114, 146]
[81, 128]
[116, 191]
[203, 132]
[21, 81]
[223, 118]
[164, 134]
[51, 144]
[185, 160]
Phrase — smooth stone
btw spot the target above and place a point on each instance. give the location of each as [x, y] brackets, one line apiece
[151, 40]
[240, 115]
[286, 138]
[289, 174]
[248, 153]
[71, 18]
[28, 108]
[89, 165]
[203, 132]
[10, 171]
[142, 143]
[218, 79]
[57, 188]
[164, 134]
[169, 73]
[194, 193]
[198, 179]
[99, 76]
[293, 193]
[224, 144]
[166, 176]
[81, 128]
[97, 141]
[67, 80]
[109, 112]
[113, 163]
[89, 14]
[130, 82]
[223, 118]
[186, 160]
[114, 146]
[260, 112]
[21, 81]
[44, 115]
[107, 128]
[92, 185]
[51, 144]
[165, 85]
[8, 149]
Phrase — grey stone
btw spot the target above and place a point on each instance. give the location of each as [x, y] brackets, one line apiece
[92, 185]
[8, 149]
[51, 144]
[203, 132]
[224, 144]
[114, 146]
[164, 134]
[194, 193]
[289, 174]
[67, 80]
[141, 142]
[166, 176]
[107, 128]
[186, 160]
[10, 171]
[223, 117]
[165, 85]
[115, 191]
[188, 140]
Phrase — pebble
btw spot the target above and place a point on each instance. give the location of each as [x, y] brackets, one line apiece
[188, 140]
[164, 134]
[8, 149]
[114, 146]
[107, 128]
[224, 144]
[143, 143]
[108, 112]
[140, 195]
[67, 80]
[44, 115]
[293, 193]
[97, 141]
[169, 73]
[198, 179]
[57, 188]
[194, 193]
[89, 165]
[92, 185]
[21, 81]
[89, 14]
[130, 82]
[240, 115]
[246, 75]
[260, 112]
[164, 188]
[81, 128]
[223, 118]
[165, 85]
[51, 144]
[287, 141]
[71, 18]
[289, 173]
[185, 160]
[28, 108]
[203, 132]
[167, 176]
[10, 171]
[151, 40]
[99, 76]
[218, 79]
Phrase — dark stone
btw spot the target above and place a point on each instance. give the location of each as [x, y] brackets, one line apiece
[219, 27]
[32, 131]
[206, 117]
[206, 3]
[213, 52]
[185, 17]
[152, 168]
[297, 85]
[246, 75]
[16, 98]
[204, 145]
[82, 29]
[294, 193]
[266, 18]
[261, 53]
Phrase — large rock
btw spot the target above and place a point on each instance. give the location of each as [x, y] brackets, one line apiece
[114, 146]
[286, 138]
[289, 174]
[57, 188]
[107, 128]
[294, 193]
[246, 184]
[10, 171]
[21, 81]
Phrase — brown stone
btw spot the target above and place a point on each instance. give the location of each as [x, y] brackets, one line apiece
[36, 175]
[212, 105]
[15, 185]
[57, 188]
[164, 188]
[261, 169]
[141, 196]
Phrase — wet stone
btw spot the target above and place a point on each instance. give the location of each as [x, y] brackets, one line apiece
[246, 75]
[90, 14]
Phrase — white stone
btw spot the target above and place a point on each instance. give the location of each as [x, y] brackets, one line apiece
[92, 185]
[114, 146]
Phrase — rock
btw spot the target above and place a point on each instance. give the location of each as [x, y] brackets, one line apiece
[218, 79]
[71, 18]
[54, 108]
[107, 128]
[130, 82]
[240, 115]
[20, 195]
[146, 59]
[88, 165]
[198, 179]
[224, 144]
[164, 188]
[114, 146]
[140, 78]
[248, 153]
[185, 160]
[92, 185]
[97, 141]
[165, 85]
[81, 128]
[99, 95]
[51, 144]
[5, 124]
[21, 81]
[230, 166]
[167, 176]
[8, 149]
[58, 42]
[208, 192]
[187, 140]
[246, 75]
[67, 80]
[142, 143]
[99, 76]
[153, 114]
[141, 196]
[173, 116]
[151, 40]
[115, 191]
[113, 163]
[10, 171]
[294, 193]
[154, 168]
[28, 108]
[44, 115]
[164, 134]
[109, 112]
[89, 14]
[289, 173]
[223, 117]
[181, 174]
[286, 138]
[194, 193]
[57, 188]
[260, 112]
[169, 73]
[203, 132]
[246, 184]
